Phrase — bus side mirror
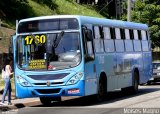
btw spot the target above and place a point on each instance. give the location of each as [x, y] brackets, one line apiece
[88, 35]
[89, 57]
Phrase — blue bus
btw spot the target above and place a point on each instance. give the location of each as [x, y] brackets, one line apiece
[72, 55]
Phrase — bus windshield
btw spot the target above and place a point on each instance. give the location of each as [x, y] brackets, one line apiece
[51, 51]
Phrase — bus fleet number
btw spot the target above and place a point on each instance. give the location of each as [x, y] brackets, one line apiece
[35, 39]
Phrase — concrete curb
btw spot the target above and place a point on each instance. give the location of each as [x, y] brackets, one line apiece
[19, 103]
[27, 103]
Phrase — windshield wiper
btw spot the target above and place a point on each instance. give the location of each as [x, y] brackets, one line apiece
[58, 39]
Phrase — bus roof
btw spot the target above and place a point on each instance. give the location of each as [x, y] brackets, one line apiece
[95, 21]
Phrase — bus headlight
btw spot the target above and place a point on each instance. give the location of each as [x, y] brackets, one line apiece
[75, 79]
[22, 81]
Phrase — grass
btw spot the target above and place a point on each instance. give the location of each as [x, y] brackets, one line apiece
[60, 7]
[40, 9]
[54, 7]
[68, 7]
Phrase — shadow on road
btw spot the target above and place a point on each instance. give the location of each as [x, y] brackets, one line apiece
[110, 97]
[153, 83]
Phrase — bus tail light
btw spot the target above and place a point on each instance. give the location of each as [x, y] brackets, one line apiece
[75, 79]
[22, 81]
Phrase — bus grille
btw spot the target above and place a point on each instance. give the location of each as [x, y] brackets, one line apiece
[48, 91]
[44, 84]
[48, 76]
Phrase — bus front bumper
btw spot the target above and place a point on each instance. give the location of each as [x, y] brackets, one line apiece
[50, 91]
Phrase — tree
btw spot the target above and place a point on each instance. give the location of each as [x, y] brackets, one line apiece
[149, 12]
[15, 9]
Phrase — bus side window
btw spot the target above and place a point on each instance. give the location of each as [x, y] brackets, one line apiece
[131, 34]
[127, 34]
[112, 33]
[119, 43]
[145, 44]
[96, 32]
[139, 35]
[144, 35]
[136, 41]
[122, 31]
[108, 42]
[118, 34]
[135, 34]
[128, 42]
[88, 44]
[107, 33]
[98, 39]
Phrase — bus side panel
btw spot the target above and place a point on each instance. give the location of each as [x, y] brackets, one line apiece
[124, 74]
[147, 68]
[137, 64]
[90, 78]
[110, 65]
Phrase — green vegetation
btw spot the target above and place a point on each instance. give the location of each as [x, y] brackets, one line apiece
[144, 11]
[62, 7]
[148, 12]
[20, 9]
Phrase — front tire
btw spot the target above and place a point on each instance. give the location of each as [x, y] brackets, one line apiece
[45, 100]
[102, 88]
[48, 100]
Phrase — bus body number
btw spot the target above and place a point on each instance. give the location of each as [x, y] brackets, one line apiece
[37, 39]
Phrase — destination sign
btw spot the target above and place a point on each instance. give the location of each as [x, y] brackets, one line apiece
[37, 64]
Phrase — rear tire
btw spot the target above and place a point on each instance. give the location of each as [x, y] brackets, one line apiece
[134, 88]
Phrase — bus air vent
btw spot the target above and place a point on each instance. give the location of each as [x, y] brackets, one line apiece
[48, 91]
[48, 76]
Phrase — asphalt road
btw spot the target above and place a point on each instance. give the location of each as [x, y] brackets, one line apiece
[117, 102]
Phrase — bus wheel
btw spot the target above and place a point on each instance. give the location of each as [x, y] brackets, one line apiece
[135, 83]
[101, 89]
[45, 100]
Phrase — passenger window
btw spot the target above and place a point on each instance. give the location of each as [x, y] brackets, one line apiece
[119, 44]
[137, 45]
[139, 35]
[89, 47]
[128, 45]
[127, 34]
[117, 31]
[145, 45]
[112, 30]
[96, 32]
[147, 35]
[122, 32]
[108, 42]
[131, 34]
[109, 45]
[144, 36]
[98, 41]
[135, 34]
[107, 33]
